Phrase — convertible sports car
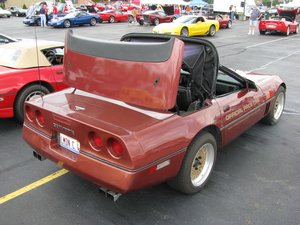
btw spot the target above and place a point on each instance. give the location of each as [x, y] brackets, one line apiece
[154, 17]
[284, 23]
[224, 21]
[116, 16]
[75, 19]
[23, 76]
[189, 26]
[4, 13]
[16, 11]
[164, 122]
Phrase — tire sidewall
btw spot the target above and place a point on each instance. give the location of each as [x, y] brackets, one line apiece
[22, 95]
[184, 175]
[212, 28]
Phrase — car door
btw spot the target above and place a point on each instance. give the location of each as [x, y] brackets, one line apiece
[240, 102]
[82, 18]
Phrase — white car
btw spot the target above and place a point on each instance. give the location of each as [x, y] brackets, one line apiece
[4, 13]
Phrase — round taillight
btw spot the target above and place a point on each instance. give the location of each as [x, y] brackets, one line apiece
[115, 148]
[40, 118]
[95, 140]
[29, 113]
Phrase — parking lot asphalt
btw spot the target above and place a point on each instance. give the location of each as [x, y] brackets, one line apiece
[256, 179]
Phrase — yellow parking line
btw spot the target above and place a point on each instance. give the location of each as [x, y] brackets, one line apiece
[32, 186]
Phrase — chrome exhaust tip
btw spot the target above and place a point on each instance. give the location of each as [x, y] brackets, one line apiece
[110, 194]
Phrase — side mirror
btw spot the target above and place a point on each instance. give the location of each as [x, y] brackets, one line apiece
[251, 85]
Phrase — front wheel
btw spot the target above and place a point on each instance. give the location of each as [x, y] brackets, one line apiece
[67, 23]
[287, 33]
[212, 30]
[156, 21]
[277, 109]
[297, 30]
[184, 32]
[197, 165]
[26, 94]
[130, 19]
[111, 19]
[93, 22]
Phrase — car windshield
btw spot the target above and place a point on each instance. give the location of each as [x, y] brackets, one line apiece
[185, 19]
[71, 15]
[7, 56]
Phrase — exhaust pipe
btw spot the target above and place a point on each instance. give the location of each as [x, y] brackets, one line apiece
[108, 193]
[38, 156]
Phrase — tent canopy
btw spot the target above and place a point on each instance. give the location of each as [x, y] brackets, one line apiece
[200, 3]
[164, 2]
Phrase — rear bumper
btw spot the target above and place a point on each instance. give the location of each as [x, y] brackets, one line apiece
[98, 171]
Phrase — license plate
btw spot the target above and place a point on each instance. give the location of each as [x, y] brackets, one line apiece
[69, 143]
[271, 26]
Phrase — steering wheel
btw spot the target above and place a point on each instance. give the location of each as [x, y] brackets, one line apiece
[50, 55]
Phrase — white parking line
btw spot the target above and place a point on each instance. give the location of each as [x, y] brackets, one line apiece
[267, 42]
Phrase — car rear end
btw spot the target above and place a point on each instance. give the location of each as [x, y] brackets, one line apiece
[275, 26]
[74, 131]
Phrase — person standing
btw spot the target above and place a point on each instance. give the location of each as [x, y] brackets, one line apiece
[43, 16]
[54, 11]
[253, 20]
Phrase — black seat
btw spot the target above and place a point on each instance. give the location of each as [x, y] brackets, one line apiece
[184, 98]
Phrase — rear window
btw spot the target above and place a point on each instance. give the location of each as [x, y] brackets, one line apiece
[9, 56]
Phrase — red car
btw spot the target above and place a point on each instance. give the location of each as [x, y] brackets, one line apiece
[154, 17]
[284, 23]
[116, 16]
[224, 21]
[164, 122]
[23, 77]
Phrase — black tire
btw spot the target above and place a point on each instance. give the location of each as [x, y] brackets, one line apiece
[287, 33]
[197, 165]
[38, 22]
[93, 22]
[26, 94]
[212, 31]
[130, 19]
[229, 24]
[184, 32]
[141, 22]
[156, 21]
[262, 32]
[67, 23]
[111, 19]
[276, 111]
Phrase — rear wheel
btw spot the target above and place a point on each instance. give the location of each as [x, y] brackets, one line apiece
[287, 33]
[212, 30]
[184, 32]
[197, 165]
[297, 30]
[277, 109]
[67, 23]
[111, 19]
[93, 22]
[26, 94]
[262, 32]
[156, 21]
[229, 24]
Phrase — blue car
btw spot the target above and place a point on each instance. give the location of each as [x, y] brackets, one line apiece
[75, 19]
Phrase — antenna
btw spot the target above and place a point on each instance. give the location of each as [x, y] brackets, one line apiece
[38, 60]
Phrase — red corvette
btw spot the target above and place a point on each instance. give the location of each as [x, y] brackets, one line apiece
[23, 77]
[284, 23]
[164, 122]
[224, 20]
[154, 17]
[116, 16]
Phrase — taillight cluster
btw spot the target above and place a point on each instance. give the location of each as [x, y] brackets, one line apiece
[114, 147]
[35, 115]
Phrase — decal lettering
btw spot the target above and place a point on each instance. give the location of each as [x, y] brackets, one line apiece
[240, 111]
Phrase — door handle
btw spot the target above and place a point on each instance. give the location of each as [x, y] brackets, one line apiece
[59, 72]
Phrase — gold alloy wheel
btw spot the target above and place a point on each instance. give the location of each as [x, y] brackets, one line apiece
[279, 105]
[202, 164]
